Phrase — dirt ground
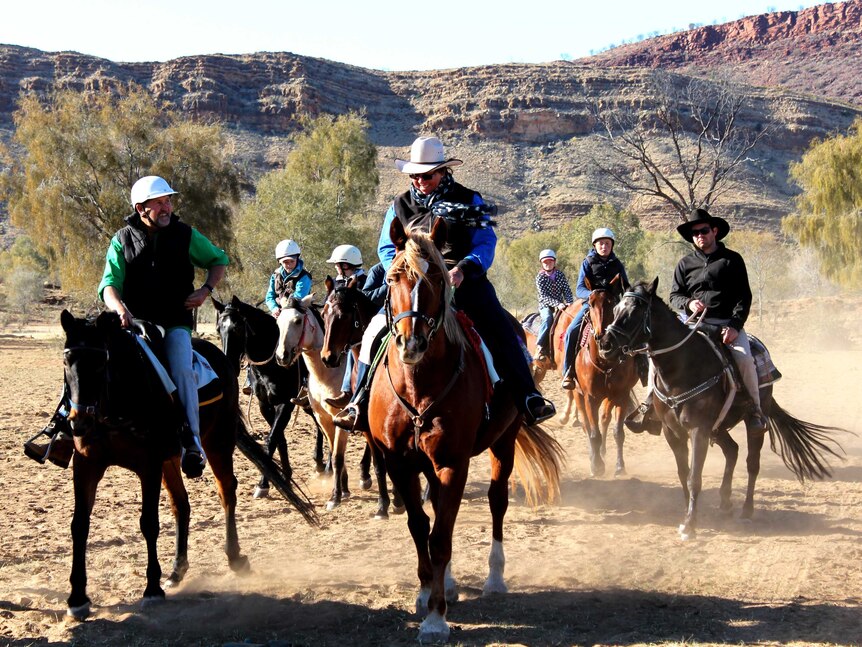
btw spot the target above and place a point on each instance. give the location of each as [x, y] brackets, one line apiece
[605, 566]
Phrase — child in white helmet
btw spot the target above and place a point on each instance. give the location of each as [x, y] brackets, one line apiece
[348, 263]
[290, 278]
[555, 293]
[599, 267]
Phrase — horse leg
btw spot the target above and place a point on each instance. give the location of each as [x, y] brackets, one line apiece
[594, 435]
[268, 412]
[502, 455]
[276, 441]
[221, 462]
[382, 489]
[452, 480]
[563, 418]
[181, 510]
[752, 463]
[320, 465]
[86, 476]
[678, 443]
[338, 445]
[619, 433]
[365, 468]
[699, 446]
[731, 452]
[151, 484]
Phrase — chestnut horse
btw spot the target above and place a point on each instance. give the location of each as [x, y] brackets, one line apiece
[697, 399]
[121, 415]
[429, 401]
[542, 367]
[604, 386]
[346, 314]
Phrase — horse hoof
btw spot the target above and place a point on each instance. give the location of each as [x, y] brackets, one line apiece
[620, 472]
[399, 509]
[172, 582]
[382, 514]
[434, 629]
[240, 565]
[260, 493]
[79, 613]
[494, 586]
[365, 483]
[152, 600]
[686, 535]
[331, 505]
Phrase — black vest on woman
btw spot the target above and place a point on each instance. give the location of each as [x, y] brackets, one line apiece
[159, 275]
[459, 240]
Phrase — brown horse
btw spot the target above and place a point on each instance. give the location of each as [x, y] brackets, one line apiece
[121, 415]
[554, 361]
[427, 413]
[604, 386]
[697, 400]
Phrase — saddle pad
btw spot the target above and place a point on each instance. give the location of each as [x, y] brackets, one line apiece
[209, 388]
[479, 346]
[767, 373]
[531, 323]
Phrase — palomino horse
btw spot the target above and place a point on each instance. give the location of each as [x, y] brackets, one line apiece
[558, 347]
[121, 415]
[696, 398]
[604, 386]
[346, 314]
[301, 333]
[427, 413]
[246, 331]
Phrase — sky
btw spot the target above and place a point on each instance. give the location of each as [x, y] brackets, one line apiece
[379, 34]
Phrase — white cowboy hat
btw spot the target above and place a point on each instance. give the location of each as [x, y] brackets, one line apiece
[426, 155]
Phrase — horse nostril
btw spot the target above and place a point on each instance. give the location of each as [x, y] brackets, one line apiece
[399, 340]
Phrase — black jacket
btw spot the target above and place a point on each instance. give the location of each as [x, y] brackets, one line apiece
[719, 279]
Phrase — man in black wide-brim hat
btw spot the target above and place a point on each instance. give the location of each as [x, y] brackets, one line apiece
[713, 278]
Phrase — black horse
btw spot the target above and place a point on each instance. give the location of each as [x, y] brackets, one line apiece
[696, 398]
[122, 415]
[249, 332]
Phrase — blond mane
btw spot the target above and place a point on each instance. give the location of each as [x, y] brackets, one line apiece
[420, 253]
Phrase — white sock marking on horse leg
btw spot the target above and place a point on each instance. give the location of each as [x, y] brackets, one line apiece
[422, 601]
[450, 586]
[496, 565]
[434, 629]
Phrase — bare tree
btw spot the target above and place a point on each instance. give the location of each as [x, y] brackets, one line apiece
[683, 145]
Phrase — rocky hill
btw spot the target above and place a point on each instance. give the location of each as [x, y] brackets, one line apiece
[525, 131]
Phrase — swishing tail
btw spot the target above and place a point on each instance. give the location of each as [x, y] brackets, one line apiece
[289, 489]
[539, 459]
[804, 447]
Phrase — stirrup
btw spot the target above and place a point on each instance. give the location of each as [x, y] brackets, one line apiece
[539, 412]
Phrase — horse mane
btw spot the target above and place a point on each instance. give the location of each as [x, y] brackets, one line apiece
[419, 252]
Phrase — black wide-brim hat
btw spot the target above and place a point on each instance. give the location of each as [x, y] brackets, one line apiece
[701, 216]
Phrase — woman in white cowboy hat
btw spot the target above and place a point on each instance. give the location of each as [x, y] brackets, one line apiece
[469, 252]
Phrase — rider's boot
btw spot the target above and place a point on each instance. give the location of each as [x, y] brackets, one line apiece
[59, 446]
[354, 417]
[340, 401]
[537, 409]
[644, 418]
[193, 460]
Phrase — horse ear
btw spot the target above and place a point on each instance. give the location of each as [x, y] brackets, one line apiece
[67, 320]
[235, 301]
[439, 232]
[351, 282]
[108, 320]
[652, 286]
[307, 300]
[588, 284]
[397, 234]
[218, 305]
[329, 283]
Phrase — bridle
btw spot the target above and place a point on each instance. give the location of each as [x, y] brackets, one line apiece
[341, 294]
[433, 322]
[235, 313]
[82, 408]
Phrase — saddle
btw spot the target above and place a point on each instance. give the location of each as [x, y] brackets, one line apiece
[767, 372]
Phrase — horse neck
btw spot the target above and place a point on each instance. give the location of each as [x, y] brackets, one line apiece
[691, 361]
[261, 336]
[312, 344]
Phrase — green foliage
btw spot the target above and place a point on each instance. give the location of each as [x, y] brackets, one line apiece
[80, 154]
[24, 289]
[320, 199]
[514, 271]
[22, 254]
[829, 217]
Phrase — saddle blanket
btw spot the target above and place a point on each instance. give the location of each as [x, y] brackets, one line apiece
[767, 373]
[531, 323]
[209, 388]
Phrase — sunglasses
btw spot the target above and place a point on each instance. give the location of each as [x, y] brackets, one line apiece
[700, 232]
[423, 176]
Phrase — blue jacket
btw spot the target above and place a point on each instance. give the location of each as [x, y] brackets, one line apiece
[599, 271]
[281, 284]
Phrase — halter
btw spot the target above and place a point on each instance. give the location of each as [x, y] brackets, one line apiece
[88, 409]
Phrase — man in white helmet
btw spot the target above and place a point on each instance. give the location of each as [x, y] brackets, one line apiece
[149, 274]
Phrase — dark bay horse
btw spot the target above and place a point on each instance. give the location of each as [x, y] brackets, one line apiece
[249, 332]
[346, 314]
[604, 385]
[697, 399]
[121, 415]
[427, 413]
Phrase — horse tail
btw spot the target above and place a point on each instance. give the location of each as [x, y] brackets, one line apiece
[803, 446]
[289, 489]
[539, 460]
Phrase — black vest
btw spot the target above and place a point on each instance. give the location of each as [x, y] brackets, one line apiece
[604, 270]
[286, 287]
[159, 275]
[459, 240]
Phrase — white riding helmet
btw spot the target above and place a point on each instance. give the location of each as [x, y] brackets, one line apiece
[603, 232]
[346, 254]
[547, 253]
[149, 187]
[286, 247]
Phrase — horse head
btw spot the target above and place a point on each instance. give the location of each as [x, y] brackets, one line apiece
[630, 329]
[419, 298]
[602, 302]
[342, 323]
[298, 330]
[85, 367]
[232, 328]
